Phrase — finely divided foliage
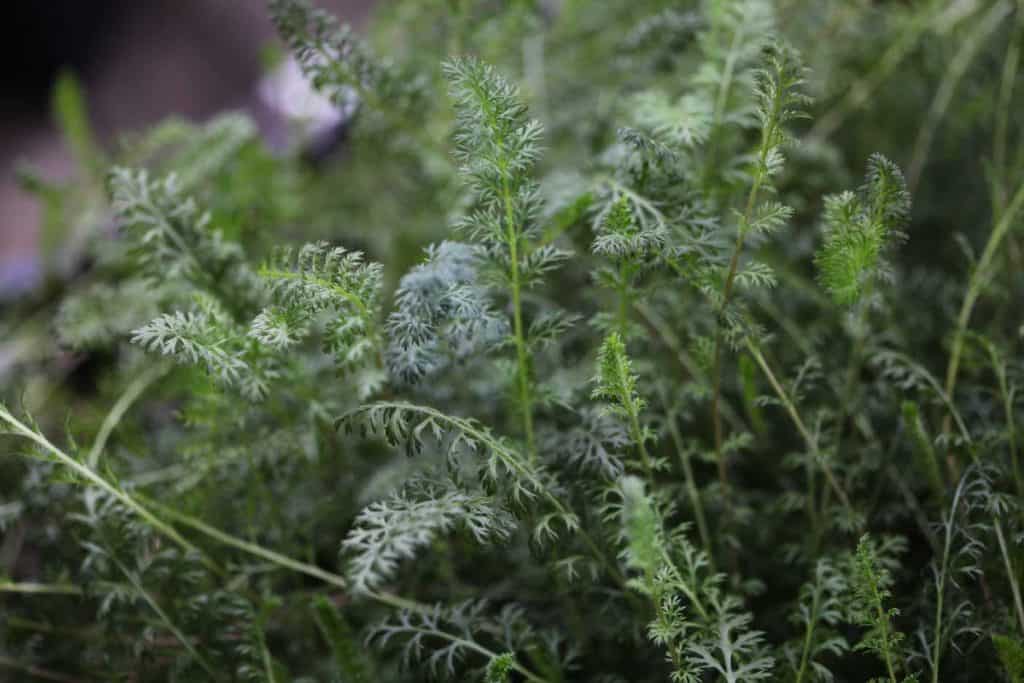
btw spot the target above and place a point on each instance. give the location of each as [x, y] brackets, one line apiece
[387, 531]
[576, 360]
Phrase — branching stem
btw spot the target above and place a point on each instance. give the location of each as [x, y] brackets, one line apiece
[809, 440]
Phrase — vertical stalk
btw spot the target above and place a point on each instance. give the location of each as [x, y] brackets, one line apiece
[1011, 577]
[982, 275]
[1009, 77]
[166, 619]
[522, 356]
[805, 657]
[883, 623]
[810, 441]
[767, 133]
[941, 588]
[634, 422]
[691, 485]
[638, 438]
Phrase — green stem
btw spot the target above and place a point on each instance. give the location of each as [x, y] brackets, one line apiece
[689, 591]
[166, 619]
[883, 624]
[660, 327]
[691, 485]
[268, 660]
[90, 475]
[941, 588]
[1009, 77]
[856, 356]
[39, 588]
[805, 656]
[476, 647]
[198, 525]
[721, 101]
[1011, 577]
[958, 65]
[727, 291]
[1008, 396]
[809, 440]
[625, 303]
[977, 283]
[247, 547]
[522, 356]
[634, 422]
[131, 393]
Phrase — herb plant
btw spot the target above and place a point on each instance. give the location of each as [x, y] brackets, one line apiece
[615, 344]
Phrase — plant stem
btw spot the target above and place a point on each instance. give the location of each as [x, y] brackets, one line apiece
[166, 619]
[1011, 577]
[522, 356]
[1008, 395]
[267, 659]
[977, 283]
[198, 525]
[247, 547]
[634, 422]
[767, 134]
[1009, 77]
[113, 418]
[941, 587]
[883, 624]
[691, 485]
[957, 67]
[660, 327]
[90, 475]
[860, 91]
[472, 645]
[809, 634]
[40, 588]
[810, 441]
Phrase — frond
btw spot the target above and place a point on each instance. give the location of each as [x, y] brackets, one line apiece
[392, 530]
[170, 235]
[684, 122]
[496, 142]
[444, 638]
[322, 279]
[331, 56]
[737, 654]
[858, 230]
[872, 581]
[731, 44]
[497, 146]
[319, 277]
[621, 236]
[645, 550]
[465, 444]
[441, 314]
[615, 380]
[278, 328]
[99, 316]
[194, 338]
[208, 338]
[595, 445]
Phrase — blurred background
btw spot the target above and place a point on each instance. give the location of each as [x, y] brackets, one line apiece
[138, 63]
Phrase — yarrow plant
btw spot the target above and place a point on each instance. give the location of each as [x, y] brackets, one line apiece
[585, 357]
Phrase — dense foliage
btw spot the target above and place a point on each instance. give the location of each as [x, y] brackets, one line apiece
[617, 341]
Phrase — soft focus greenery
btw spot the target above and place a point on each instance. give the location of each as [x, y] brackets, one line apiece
[613, 341]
